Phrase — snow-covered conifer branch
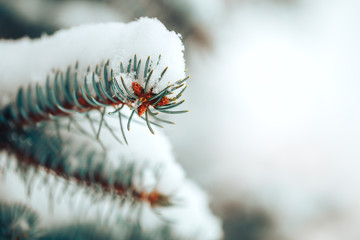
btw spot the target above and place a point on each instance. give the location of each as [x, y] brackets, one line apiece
[65, 93]
[82, 165]
[115, 81]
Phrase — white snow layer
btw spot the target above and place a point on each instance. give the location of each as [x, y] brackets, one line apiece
[191, 217]
[29, 61]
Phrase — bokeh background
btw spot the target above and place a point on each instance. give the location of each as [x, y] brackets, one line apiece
[273, 131]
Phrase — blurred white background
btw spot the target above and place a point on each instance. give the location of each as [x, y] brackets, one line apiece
[273, 130]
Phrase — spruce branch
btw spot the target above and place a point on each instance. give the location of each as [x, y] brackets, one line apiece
[34, 147]
[17, 221]
[64, 95]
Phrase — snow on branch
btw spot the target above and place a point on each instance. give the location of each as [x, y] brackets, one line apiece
[29, 61]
